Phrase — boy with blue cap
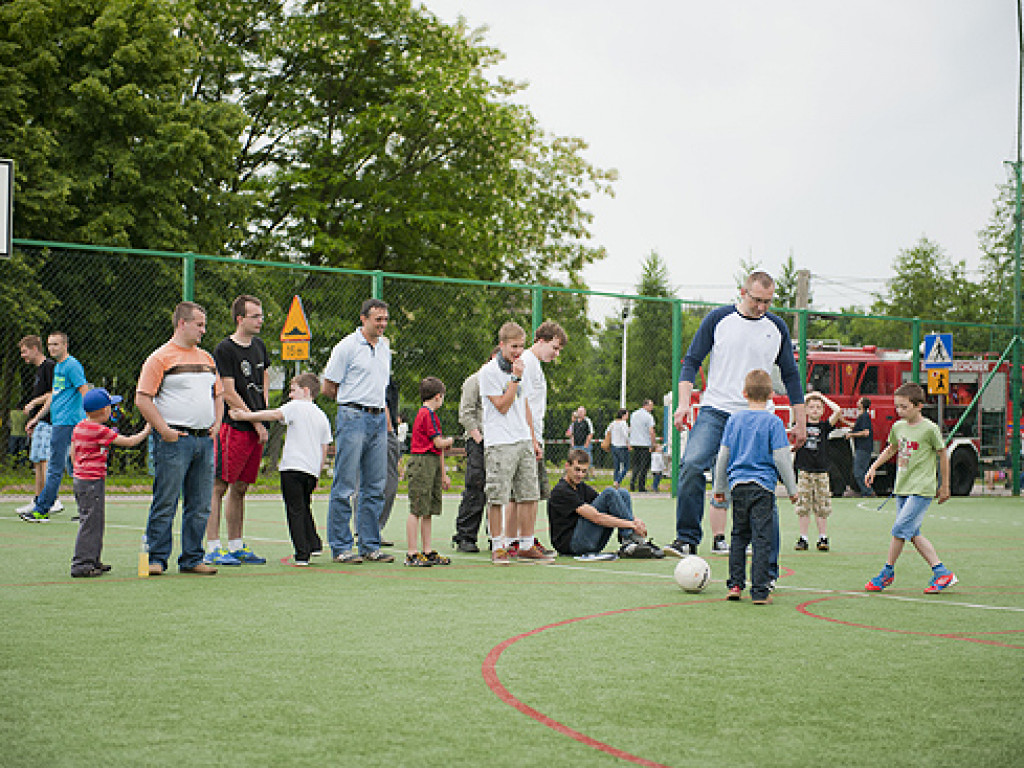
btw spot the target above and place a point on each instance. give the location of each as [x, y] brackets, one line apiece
[90, 442]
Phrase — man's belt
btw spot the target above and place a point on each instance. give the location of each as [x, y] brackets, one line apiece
[361, 407]
[191, 431]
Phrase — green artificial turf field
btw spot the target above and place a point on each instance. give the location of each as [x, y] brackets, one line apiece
[569, 664]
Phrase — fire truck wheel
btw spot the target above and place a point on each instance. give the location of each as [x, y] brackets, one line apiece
[963, 470]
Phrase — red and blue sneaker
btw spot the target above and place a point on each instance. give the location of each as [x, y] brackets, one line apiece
[939, 583]
[881, 581]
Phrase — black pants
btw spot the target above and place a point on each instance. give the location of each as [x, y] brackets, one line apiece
[471, 508]
[641, 463]
[297, 489]
[753, 516]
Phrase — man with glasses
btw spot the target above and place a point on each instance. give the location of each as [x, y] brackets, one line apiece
[739, 338]
[244, 367]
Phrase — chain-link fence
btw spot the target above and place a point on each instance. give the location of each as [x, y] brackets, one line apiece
[115, 306]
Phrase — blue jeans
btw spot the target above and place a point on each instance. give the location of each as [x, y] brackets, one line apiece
[183, 468]
[620, 457]
[861, 464]
[753, 520]
[361, 461]
[60, 441]
[700, 454]
[590, 537]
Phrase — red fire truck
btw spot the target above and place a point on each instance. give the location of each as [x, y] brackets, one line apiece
[846, 374]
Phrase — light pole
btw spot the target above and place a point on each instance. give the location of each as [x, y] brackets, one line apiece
[625, 335]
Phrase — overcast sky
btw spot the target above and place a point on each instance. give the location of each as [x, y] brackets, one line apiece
[840, 132]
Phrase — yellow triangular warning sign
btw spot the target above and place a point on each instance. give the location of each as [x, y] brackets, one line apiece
[295, 326]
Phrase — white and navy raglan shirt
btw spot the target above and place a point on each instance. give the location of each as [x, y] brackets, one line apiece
[738, 345]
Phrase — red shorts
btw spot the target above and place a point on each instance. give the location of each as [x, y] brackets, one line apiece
[238, 455]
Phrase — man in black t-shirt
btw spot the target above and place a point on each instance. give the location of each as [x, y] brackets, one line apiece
[38, 427]
[582, 520]
[244, 368]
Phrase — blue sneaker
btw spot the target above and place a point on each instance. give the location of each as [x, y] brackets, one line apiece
[220, 557]
[881, 581]
[247, 556]
[939, 583]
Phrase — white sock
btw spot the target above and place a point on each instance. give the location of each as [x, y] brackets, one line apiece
[212, 545]
[235, 544]
[525, 542]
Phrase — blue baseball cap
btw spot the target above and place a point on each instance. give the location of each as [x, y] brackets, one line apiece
[98, 399]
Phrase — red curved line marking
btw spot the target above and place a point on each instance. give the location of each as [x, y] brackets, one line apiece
[490, 675]
[802, 608]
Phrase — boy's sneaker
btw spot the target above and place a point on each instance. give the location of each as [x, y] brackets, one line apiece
[417, 560]
[435, 559]
[939, 583]
[636, 549]
[220, 557]
[767, 600]
[547, 552]
[467, 546]
[534, 553]
[57, 506]
[679, 548]
[376, 556]
[735, 593]
[656, 552]
[513, 550]
[881, 581]
[801, 545]
[247, 556]
[300, 563]
[26, 507]
[720, 546]
[500, 556]
[34, 517]
[823, 544]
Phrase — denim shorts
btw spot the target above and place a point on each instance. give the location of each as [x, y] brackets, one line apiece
[909, 514]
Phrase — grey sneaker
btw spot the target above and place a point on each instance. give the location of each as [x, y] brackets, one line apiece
[348, 558]
[376, 556]
[720, 546]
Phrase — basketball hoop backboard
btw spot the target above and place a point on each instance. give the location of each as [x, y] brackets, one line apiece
[6, 207]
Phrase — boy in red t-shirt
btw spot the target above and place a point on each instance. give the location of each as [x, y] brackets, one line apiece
[426, 474]
[90, 442]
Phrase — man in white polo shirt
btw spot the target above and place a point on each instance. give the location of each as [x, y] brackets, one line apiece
[357, 375]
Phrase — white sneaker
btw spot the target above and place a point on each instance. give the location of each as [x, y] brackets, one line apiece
[720, 547]
[27, 508]
[58, 506]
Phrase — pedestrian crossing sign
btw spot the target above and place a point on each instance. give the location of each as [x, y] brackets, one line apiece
[938, 350]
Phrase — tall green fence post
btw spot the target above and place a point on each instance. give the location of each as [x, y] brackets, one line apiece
[188, 277]
[915, 350]
[537, 301]
[377, 286]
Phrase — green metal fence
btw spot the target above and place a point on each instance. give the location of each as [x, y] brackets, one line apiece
[115, 305]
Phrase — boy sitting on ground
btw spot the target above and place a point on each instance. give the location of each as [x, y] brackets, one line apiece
[582, 520]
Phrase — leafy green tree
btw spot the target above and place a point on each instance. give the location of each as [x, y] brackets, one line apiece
[649, 356]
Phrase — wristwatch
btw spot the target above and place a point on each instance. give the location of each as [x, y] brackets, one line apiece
[516, 379]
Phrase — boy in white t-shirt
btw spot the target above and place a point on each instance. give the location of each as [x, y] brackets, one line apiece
[509, 446]
[302, 460]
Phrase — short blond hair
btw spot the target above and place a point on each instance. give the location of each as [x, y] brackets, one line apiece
[511, 331]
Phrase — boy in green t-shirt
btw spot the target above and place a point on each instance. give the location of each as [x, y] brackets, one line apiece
[917, 443]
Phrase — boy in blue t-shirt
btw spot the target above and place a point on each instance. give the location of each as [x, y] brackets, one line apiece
[754, 454]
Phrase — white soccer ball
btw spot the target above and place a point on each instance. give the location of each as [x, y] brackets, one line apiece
[693, 573]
